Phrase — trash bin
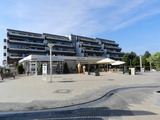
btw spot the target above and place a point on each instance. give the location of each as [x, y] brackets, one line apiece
[133, 71]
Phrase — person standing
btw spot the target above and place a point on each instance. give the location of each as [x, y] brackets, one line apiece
[79, 68]
[84, 69]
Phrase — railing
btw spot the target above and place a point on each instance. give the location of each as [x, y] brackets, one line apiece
[88, 40]
[63, 45]
[58, 39]
[114, 52]
[63, 51]
[111, 43]
[19, 49]
[25, 42]
[89, 45]
[14, 57]
[97, 51]
[26, 35]
[113, 47]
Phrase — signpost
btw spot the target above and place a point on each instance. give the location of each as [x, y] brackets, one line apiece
[44, 71]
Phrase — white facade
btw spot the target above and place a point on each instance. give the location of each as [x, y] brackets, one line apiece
[32, 62]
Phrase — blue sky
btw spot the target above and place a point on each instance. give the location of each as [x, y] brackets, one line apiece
[134, 24]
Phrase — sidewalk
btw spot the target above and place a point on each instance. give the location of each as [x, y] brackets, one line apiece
[32, 93]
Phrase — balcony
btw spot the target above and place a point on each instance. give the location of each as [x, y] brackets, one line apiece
[90, 45]
[58, 39]
[110, 43]
[21, 34]
[29, 50]
[63, 51]
[25, 42]
[15, 57]
[63, 45]
[88, 40]
[96, 51]
[112, 47]
[114, 52]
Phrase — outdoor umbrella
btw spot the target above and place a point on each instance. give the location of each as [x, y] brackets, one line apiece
[106, 61]
[118, 63]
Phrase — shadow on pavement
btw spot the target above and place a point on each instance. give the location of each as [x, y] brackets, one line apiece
[78, 114]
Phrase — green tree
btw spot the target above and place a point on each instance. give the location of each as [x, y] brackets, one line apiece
[126, 58]
[129, 58]
[132, 55]
[66, 69]
[145, 63]
[155, 59]
[20, 69]
[147, 54]
[135, 61]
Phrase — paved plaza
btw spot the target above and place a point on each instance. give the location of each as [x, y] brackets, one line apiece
[82, 97]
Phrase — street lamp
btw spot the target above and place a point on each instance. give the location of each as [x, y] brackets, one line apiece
[130, 63]
[140, 58]
[50, 45]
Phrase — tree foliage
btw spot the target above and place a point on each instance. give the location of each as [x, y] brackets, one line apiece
[132, 60]
[20, 69]
[155, 59]
[66, 69]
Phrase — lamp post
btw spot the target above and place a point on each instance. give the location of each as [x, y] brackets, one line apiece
[140, 58]
[130, 63]
[50, 45]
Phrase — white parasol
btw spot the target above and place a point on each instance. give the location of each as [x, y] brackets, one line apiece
[118, 63]
[106, 61]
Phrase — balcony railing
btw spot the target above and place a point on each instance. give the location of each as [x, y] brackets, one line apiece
[88, 40]
[25, 35]
[63, 45]
[15, 57]
[110, 43]
[25, 42]
[97, 51]
[114, 52]
[89, 45]
[58, 39]
[20, 49]
[63, 51]
[112, 47]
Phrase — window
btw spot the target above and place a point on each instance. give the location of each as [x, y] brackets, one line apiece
[4, 47]
[4, 54]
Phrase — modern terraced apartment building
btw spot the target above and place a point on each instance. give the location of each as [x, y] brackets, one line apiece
[19, 44]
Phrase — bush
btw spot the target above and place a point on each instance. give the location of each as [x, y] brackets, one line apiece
[20, 69]
[66, 69]
[39, 70]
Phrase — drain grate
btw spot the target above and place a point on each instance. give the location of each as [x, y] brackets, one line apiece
[63, 91]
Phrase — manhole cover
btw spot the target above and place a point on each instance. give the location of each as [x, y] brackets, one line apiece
[111, 79]
[62, 91]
